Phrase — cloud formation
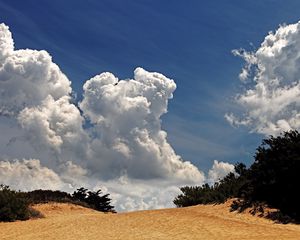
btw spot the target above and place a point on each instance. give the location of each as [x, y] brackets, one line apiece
[271, 102]
[27, 77]
[113, 137]
[219, 170]
[126, 116]
[28, 175]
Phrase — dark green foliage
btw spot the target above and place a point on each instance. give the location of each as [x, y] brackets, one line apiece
[13, 205]
[82, 197]
[192, 195]
[272, 180]
[94, 199]
[227, 187]
[274, 175]
[80, 194]
[16, 205]
[44, 196]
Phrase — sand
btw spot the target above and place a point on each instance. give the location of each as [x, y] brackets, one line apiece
[66, 221]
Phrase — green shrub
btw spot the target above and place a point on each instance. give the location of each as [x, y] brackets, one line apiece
[16, 205]
[228, 187]
[94, 199]
[44, 196]
[13, 205]
[273, 179]
[274, 176]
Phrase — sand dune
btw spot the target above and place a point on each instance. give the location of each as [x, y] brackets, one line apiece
[66, 221]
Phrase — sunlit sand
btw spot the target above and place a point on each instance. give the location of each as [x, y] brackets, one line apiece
[66, 221]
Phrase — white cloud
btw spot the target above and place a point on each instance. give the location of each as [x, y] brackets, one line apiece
[28, 175]
[54, 124]
[126, 115]
[133, 194]
[27, 76]
[272, 102]
[219, 170]
[122, 147]
[6, 42]
[250, 59]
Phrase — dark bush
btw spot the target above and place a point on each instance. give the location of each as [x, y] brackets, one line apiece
[16, 205]
[94, 199]
[271, 180]
[82, 197]
[44, 196]
[228, 187]
[80, 194]
[274, 176]
[13, 205]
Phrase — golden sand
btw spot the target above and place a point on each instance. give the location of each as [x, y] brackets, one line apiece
[66, 221]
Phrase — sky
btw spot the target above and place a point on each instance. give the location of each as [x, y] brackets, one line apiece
[227, 79]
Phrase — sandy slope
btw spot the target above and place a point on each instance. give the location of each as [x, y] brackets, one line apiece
[64, 221]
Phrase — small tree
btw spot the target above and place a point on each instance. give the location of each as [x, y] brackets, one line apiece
[100, 203]
[94, 199]
[80, 194]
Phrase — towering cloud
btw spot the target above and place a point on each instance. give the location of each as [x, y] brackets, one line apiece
[127, 115]
[272, 73]
[27, 76]
[115, 138]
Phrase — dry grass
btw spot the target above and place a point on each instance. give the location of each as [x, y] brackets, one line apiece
[66, 221]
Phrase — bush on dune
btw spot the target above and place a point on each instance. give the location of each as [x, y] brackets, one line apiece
[13, 205]
[94, 199]
[17, 205]
[83, 197]
[44, 196]
[228, 187]
[271, 180]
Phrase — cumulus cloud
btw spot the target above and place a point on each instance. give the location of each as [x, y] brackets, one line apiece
[27, 76]
[127, 115]
[271, 102]
[28, 175]
[133, 194]
[114, 140]
[6, 42]
[54, 125]
[219, 170]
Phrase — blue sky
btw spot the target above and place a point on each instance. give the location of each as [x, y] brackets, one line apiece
[188, 41]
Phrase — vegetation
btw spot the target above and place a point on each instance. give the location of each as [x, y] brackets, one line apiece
[13, 205]
[44, 196]
[17, 205]
[228, 187]
[272, 179]
[94, 199]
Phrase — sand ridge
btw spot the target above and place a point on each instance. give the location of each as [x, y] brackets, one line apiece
[67, 221]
